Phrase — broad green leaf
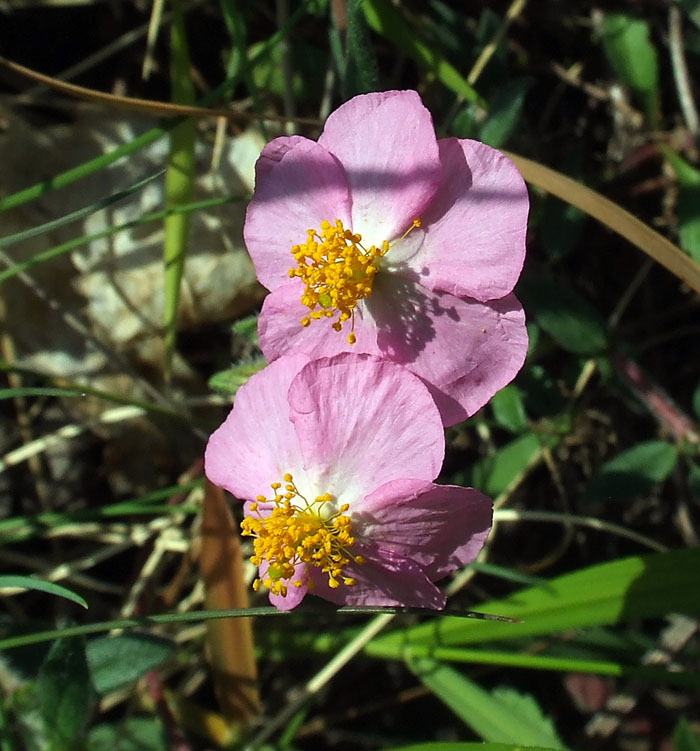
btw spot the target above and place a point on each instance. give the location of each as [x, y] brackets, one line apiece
[494, 474]
[647, 586]
[509, 410]
[684, 738]
[229, 381]
[505, 717]
[504, 112]
[65, 694]
[116, 661]
[29, 582]
[569, 319]
[633, 472]
[633, 58]
[135, 734]
[458, 746]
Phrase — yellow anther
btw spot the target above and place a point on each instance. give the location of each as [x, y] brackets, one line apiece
[337, 271]
[297, 532]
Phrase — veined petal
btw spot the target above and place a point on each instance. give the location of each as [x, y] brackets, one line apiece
[387, 146]
[257, 443]
[385, 578]
[440, 527]
[475, 227]
[464, 350]
[359, 418]
[298, 185]
[280, 329]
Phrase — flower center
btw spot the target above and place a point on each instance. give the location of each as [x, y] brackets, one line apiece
[297, 531]
[338, 272]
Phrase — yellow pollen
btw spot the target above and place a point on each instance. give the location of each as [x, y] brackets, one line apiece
[295, 532]
[338, 272]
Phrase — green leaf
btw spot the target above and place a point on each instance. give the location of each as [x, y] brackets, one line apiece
[29, 582]
[696, 400]
[65, 694]
[633, 58]
[506, 717]
[504, 112]
[229, 381]
[633, 472]
[684, 738]
[116, 661]
[494, 474]
[509, 410]
[569, 319]
[136, 734]
[627, 589]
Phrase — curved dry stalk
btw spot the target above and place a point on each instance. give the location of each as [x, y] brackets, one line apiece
[613, 216]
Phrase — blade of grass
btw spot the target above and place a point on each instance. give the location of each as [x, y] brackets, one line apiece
[223, 91]
[613, 216]
[389, 21]
[12, 581]
[502, 658]
[179, 182]
[637, 587]
[69, 389]
[78, 242]
[6, 242]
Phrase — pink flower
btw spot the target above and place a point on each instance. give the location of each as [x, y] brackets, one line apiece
[381, 239]
[336, 459]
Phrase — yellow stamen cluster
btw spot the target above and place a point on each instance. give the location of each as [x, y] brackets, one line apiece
[295, 533]
[338, 272]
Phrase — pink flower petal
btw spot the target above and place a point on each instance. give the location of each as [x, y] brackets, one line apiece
[475, 227]
[272, 154]
[387, 146]
[298, 185]
[386, 578]
[280, 329]
[464, 350]
[294, 594]
[362, 421]
[257, 443]
[440, 527]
